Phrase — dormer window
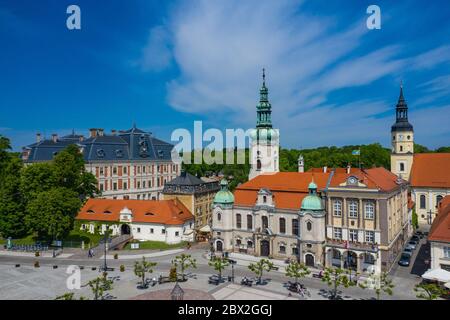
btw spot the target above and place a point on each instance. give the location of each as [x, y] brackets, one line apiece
[160, 153]
[100, 153]
[149, 214]
[107, 212]
[119, 153]
[90, 212]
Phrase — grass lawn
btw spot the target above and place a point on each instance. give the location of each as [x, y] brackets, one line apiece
[73, 239]
[157, 245]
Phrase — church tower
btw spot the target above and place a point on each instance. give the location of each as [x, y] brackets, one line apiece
[264, 140]
[402, 138]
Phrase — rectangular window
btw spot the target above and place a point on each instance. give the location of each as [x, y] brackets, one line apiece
[125, 186]
[115, 186]
[337, 233]
[282, 225]
[114, 170]
[337, 208]
[370, 236]
[125, 170]
[139, 185]
[139, 230]
[163, 231]
[447, 252]
[353, 235]
[101, 171]
[238, 221]
[101, 187]
[295, 227]
[249, 222]
[152, 230]
[353, 209]
[369, 210]
[177, 234]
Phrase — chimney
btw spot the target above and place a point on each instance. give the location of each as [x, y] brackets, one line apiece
[54, 137]
[92, 133]
[325, 169]
[38, 137]
[349, 167]
[101, 132]
[113, 132]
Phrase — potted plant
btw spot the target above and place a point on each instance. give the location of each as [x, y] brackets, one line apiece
[116, 256]
[122, 268]
[36, 264]
[37, 254]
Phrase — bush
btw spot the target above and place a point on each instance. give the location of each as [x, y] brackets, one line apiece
[37, 254]
[36, 264]
[122, 268]
[116, 256]
[173, 274]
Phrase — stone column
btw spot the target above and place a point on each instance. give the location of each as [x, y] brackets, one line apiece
[342, 260]
[359, 263]
[328, 257]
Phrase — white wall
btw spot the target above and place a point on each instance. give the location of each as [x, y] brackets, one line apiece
[154, 232]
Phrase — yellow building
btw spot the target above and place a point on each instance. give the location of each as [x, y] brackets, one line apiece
[197, 195]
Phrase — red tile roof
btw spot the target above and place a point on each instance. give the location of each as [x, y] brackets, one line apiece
[440, 229]
[171, 212]
[288, 188]
[374, 178]
[431, 170]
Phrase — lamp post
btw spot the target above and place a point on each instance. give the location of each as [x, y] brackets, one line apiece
[232, 262]
[105, 240]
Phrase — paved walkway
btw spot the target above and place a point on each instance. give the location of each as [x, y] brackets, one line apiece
[147, 255]
[237, 292]
[32, 254]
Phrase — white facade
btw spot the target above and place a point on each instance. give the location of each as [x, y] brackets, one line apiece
[264, 152]
[426, 201]
[440, 255]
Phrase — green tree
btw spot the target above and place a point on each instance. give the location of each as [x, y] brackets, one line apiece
[296, 270]
[100, 286]
[51, 214]
[36, 178]
[259, 267]
[383, 284]
[428, 291]
[184, 261]
[70, 172]
[69, 296]
[219, 264]
[141, 268]
[336, 277]
[415, 219]
[12, 204]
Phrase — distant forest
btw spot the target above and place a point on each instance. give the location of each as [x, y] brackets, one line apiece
[371, 155]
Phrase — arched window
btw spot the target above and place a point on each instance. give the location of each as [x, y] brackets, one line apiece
[438, 199]
[308, 225]
[282, 225]
[402, 167]
[219, 217]
[238, 221]
[282, 248]
[249, 244]
[422, 201]
[264, 222]
[401, 148]
[264, 199]
[249, 222]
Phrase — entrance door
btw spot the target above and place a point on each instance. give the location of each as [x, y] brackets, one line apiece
[309, 260]
[219, 246]
[265, 248]
[125, 229]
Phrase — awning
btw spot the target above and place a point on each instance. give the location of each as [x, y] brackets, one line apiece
[206, 228]
[440, 275]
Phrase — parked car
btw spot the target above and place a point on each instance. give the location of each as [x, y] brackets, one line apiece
[408, 251]
[412, 245]
[405, 259]
[416, 239]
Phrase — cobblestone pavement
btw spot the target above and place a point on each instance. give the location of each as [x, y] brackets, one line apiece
[27, 282]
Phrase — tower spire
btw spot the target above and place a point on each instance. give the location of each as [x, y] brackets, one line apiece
[264, 108]
[264, 77]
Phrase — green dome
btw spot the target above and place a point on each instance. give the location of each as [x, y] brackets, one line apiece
[312, 201]
[224, 196]
[264, 134]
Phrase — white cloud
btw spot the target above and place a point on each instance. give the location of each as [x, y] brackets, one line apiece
[156, 55]
[221, 47]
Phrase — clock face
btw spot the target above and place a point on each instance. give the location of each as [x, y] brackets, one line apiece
[352, 180]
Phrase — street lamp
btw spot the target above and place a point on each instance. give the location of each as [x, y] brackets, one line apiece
[105, 240]
[232, 262]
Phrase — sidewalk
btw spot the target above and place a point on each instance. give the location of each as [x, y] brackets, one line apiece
[32, 254]
[139, 256]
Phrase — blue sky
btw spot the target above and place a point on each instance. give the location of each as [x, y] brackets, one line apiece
[164, 64]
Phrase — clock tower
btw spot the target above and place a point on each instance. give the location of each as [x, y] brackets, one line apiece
[264, 140]
[402, 139]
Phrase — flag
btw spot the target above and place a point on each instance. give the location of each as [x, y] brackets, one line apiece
[355, 152]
